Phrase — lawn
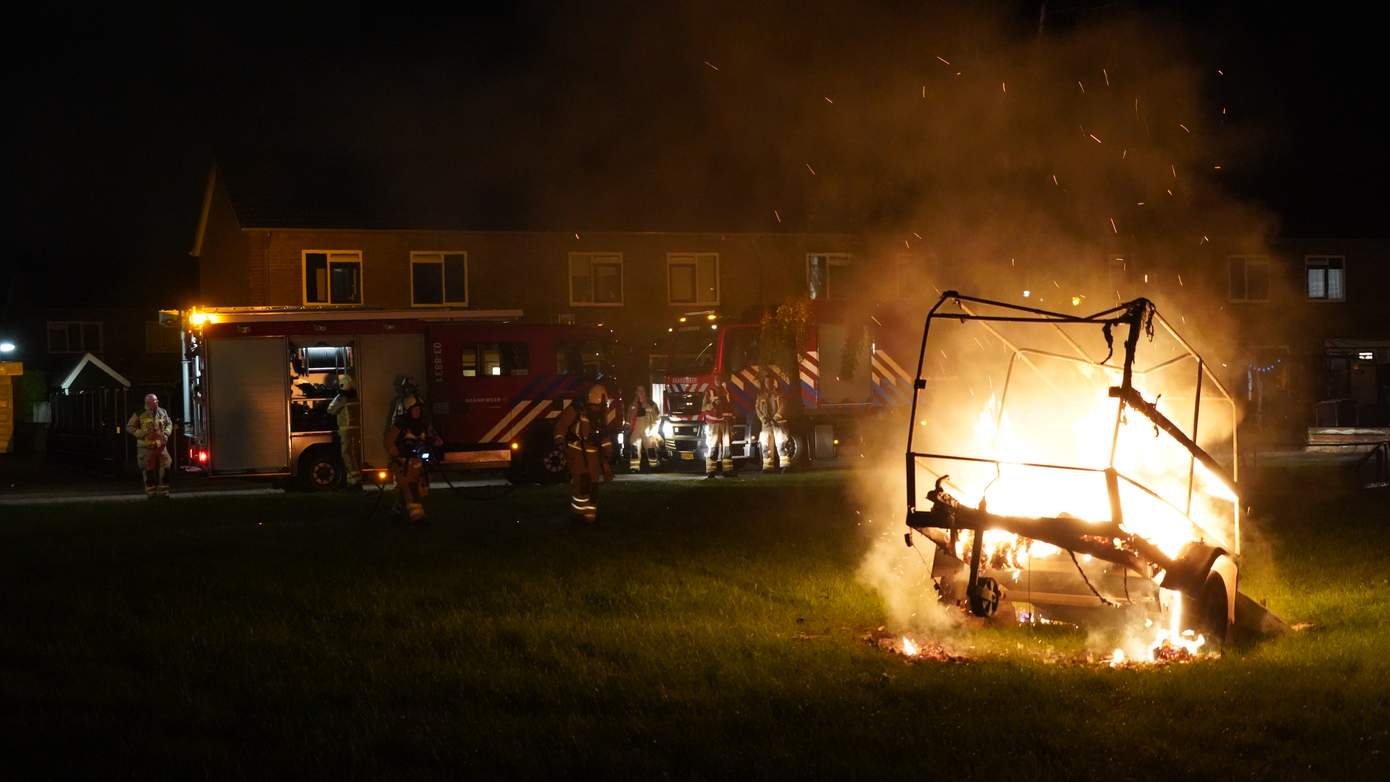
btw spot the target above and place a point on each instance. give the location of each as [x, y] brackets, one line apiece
[705, 629]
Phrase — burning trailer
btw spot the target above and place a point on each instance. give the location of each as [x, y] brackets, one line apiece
[1078, 463]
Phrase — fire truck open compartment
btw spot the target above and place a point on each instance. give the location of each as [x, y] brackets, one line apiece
[1071, 461]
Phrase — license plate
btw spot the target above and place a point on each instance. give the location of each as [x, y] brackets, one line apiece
[688, 456]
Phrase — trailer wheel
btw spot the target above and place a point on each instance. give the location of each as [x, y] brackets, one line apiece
[1206, 612]
[320, 469]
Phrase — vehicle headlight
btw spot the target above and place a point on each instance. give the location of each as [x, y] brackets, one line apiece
[668, 432]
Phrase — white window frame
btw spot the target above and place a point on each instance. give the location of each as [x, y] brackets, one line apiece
[1312, 261]
[436, 258]
[48, 336]
[609, 257]
[693, 259]
[334, 256]
[844, 260]
[1245, 272]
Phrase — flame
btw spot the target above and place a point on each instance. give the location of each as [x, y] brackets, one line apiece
[909, 648]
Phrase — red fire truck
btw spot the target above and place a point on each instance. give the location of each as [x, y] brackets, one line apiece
[258, 381]
[829, 393]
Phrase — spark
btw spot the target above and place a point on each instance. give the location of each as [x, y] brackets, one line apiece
[1106, 74]
[1184, 127]
[1139, 203]
[943, 355]
[711, 65]
[828, 100]
[777, 215]
[1216, 167]
[914, 233]
[1112, 226]
[1093, 138]
[1056, 285]
[1054, 180]
[906, 245]
[1205, 240]
[943, 60]
[1220, 72]
[1223, 111]
[1170, 192]
[812, 170]
[924, 92]
[1173, 167]
[576, 236]
[1082, 86]
[1124, 153]
[1146, 279]
[1180, 285]
[1012, 262]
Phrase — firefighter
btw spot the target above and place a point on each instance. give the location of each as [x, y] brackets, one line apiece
[346, 409]
[409, 442]
[643, 419]
[583, 431]
[152, 429]
[718, 415]
[405, 389]
[771, 407]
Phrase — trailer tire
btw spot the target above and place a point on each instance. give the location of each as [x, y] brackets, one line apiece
[542, 461]
[1206, 612]
[320, 469]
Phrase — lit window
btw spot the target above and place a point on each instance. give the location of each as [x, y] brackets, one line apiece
[67, 336]
[596, 279]
[827, 275]
[495, 359]
[1249, 277]
[1326, 277]
[692, 278]
[332, 277]
[438, 279]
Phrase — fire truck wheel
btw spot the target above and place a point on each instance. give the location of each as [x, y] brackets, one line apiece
[320, 470]
[795, 453]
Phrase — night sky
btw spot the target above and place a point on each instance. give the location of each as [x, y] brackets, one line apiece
[545, 115]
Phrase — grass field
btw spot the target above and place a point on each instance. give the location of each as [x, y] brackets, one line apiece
[704, 630]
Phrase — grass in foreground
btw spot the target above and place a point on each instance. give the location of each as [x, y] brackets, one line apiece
[289, 634]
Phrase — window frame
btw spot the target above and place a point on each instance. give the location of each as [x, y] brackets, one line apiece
[1311, 262]
[590, 256]
[428, 257]
[844, 260]
[81, 324]
[692, 259]
[1246, 260]
[330, 260]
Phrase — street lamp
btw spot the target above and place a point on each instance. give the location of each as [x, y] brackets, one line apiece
[7, 346]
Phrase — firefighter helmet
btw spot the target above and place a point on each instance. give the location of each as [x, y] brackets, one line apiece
[598, 395]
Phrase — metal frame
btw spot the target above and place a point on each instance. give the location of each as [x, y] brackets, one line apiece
[1122, 548]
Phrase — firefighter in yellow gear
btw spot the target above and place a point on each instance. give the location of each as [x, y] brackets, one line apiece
[152, 428]
[771, 408]
[348, 412]
[410, 442]
[718, 414]
[643, 420]
[584, 432]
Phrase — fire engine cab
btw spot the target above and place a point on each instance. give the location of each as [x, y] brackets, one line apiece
[842, 373]
[258, 381]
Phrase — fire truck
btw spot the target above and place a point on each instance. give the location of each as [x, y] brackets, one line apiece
[843, 373]
[257, 383]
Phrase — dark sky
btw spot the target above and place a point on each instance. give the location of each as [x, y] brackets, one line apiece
[565, 115]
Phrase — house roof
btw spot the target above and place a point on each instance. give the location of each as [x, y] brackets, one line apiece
[89, 361]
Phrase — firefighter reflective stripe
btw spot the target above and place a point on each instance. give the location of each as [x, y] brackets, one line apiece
[515, 411]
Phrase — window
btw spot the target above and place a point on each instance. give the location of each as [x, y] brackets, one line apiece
[692, 278]
[332, 277]
[588, 357]
[596, 279]
[438, 279]
[1249, 277]
[1326, 275]
[71, 336]
[495, 359]
[160, 339]
[827, 275]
